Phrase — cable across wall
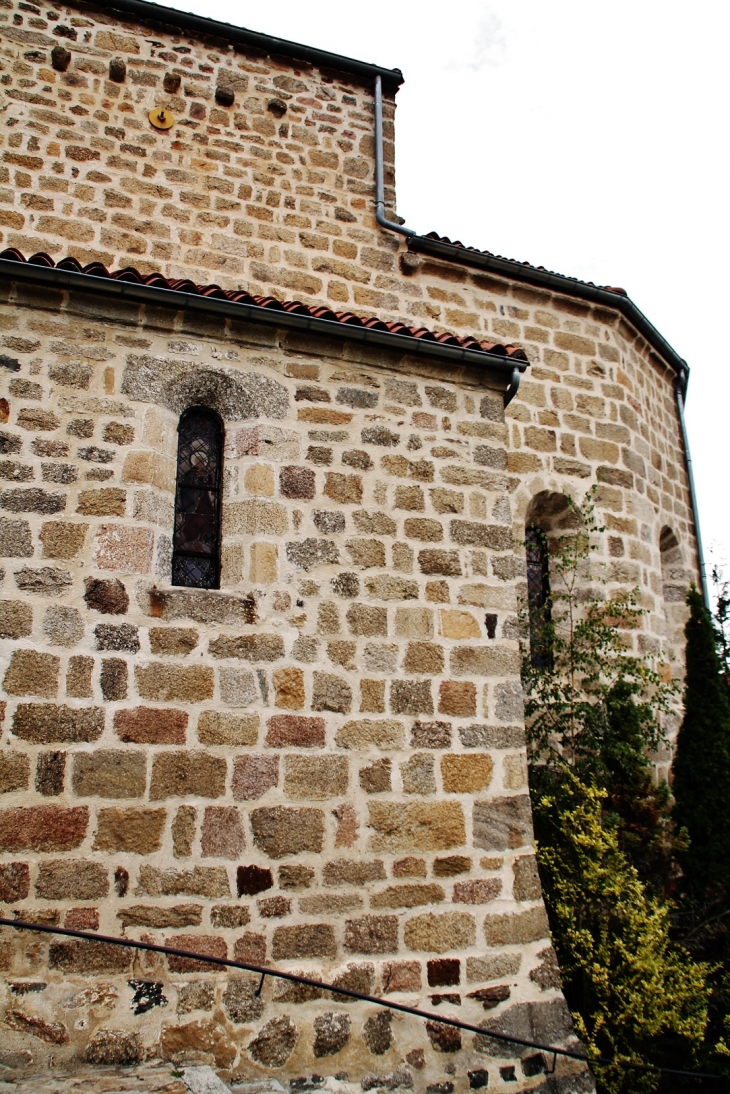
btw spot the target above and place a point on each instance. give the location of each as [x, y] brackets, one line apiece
[264, 970]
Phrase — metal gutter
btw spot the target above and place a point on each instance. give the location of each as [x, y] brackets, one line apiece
[150, 294]
[559, 283]
[146, 12]
[679, 392]
[389, 225]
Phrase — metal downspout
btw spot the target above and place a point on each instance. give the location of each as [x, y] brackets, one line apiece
[679, 390]
[379, 176]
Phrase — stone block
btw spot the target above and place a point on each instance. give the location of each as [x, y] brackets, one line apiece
[15, 539]
[414, 622]
[279, 830]
[178, 915]
[62, 539]
[136, 831]
[16, 619]
[482, 661]
[458, 624]
[43, 828]
[210, 945]
[376, 777]
[108, 773]
[297, 482]
[105, 595]
[203, 881]
[443, 1038]
[248, 647]
[366, 553]
[46, 723]
[526, 884]
[151, 725]
[14, 882]
[433, 561]
[344, 489]
[222, 833]
[352, 872]
[331, 693]
[125, 548]
[14, 771]
[401, 976]
[315, 777]
[186, 774]
[372, 934]
[240, 1001]
[411, 697]
[477, 891]
[431, 735]
[416, 826]
[503, 823]
[309, 553]
[466, 774]
[71, 879]
[440, 933]
[173, 641]
[289, 688]
[331, 1033]
[45, 581]
[199, 1040]
[457, 698]
[443, 972]
[274, 1043]
[78, 677]
[516, 929]
[417, 774]
[254, 518]
[253, 776]
[424, 529]
[295, 731]
[183, 831]
[32, 673]
[219, 728]
[237, 686]
[368, 732]
[367, 621]
[50, 773]
[304, 941]
[113, 679]
[162, 682]
[407, 896]
[84, 958]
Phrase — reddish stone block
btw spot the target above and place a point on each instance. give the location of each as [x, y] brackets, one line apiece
[443, 972]
[295, 731]
[14, 882]
[297, 482]
[82, 919]
[250, 948]
[222, 834]
[253, 776]
[211, 945]
[401, 976]
[151, 725]
[43, 828]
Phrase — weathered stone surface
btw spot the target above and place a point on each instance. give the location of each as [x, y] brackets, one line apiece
[210, 945]
[440, 933]
[205, 881]
[367, 732]
[457, 698]
[417, 774]
[43, 828]
[372, 934]
[515, 930]
[54, 1033]
[240, 1002]
[443, 1038]
[431, 735]
[352, 872]
[178, 915]
[209, 606]
[331, 1033]
[295, 731]
[237, 686]
[14, 771]
[315, 777]
[407, 896]
[113, 679]
[251, 880]
[44, 581]
[222, 833]
[331, 693]
[64, 879]
[81, 957]
[117, 636]
[483, 661]
[62, 625]
[151, 725]
[184, 774]
[14, 882]
[248, 647]
[289, 688]
[274, 1043]
[416, 826]
[304, 941]
[367, 621]
[16, 619]
[547, 974]
[219, 728]
[173, 641]
[127, 549]
[411, 697]
[548, 1023]
[50, 773]
[503, 823]
[280, 830]
[137, 831]
[309, 553]
[478, 891]
[44, 723]
[466, 774]
[235, 395]
[253, 775]
[114, 1047]
[199, 1040]
[493, 967]
[376, 778]
[61, 539]
[166, 683]
[526, 878]
[109, 773]
[106, 596]
[15, 539]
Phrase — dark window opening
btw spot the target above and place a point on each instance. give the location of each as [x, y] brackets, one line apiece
[538, 597]
[197, 533]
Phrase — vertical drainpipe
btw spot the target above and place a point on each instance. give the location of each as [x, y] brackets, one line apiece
[679, 390]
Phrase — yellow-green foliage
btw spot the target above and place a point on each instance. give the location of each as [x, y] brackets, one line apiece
[626, 984]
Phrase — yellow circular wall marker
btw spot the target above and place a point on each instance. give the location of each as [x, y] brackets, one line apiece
[161, 118]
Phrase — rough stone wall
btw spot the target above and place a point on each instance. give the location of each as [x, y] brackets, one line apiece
[322, 764]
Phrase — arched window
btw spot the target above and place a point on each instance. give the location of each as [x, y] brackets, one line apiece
[538, 596]
[197, 533]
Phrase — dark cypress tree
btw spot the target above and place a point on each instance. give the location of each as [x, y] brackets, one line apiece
[701, 768]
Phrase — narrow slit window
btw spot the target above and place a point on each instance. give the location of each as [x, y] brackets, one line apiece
[538, 596]
[197, 533]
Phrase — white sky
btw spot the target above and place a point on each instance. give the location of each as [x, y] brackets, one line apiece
[590, 138]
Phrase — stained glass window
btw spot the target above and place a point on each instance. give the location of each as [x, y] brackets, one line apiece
[196, 537]
[538, 596]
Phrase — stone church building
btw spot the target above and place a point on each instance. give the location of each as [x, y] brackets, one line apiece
[267, 460]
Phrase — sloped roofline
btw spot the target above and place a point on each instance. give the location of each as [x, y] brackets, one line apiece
[143, 11]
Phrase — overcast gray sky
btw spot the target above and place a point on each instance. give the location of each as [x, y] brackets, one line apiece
[590, 138]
